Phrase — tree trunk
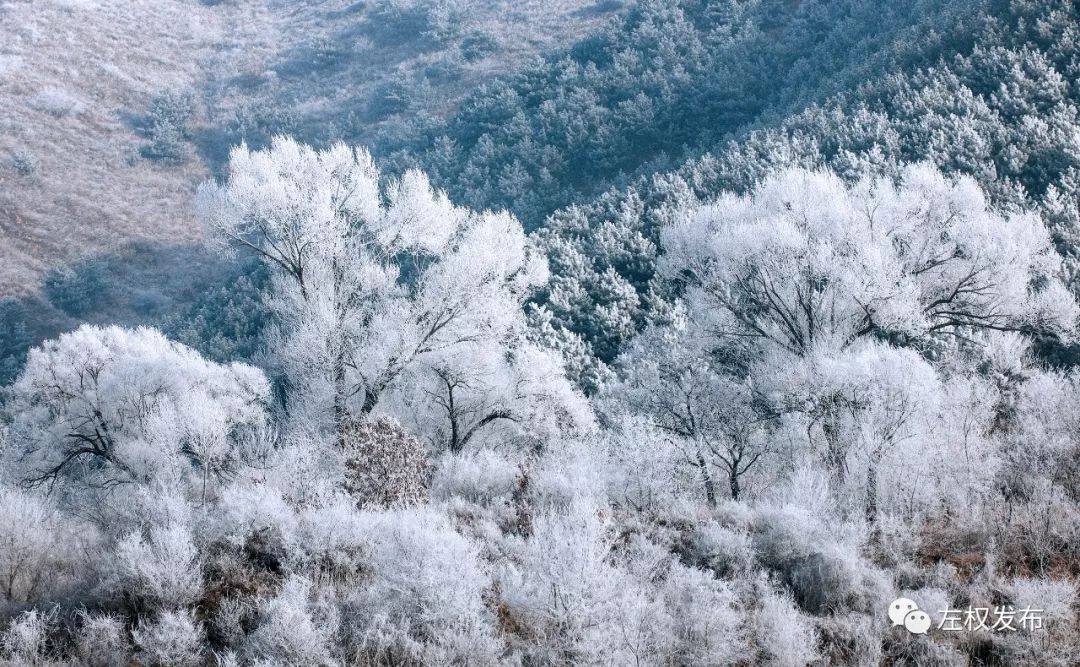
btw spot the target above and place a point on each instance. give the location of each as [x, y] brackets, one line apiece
[341, 409]
[835, 450]
[371, 397]
[733, 481]
[455, 435]
[706, 478]
[872, 501]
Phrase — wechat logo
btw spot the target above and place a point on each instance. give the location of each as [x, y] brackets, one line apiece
[905, 612]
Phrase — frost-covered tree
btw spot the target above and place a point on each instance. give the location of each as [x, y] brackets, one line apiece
[670, 374]
[806, 261]
[36, 546]
[372, 283]
[876, 406]
[102, 407]
[806, 268]
[1037, 476]
[487, 392]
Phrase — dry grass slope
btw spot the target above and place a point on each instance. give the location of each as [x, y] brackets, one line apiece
[77, 76]
[72, 73]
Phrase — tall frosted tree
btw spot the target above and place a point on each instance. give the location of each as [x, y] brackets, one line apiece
[670, 374]
[100, 408]
[805, 261]
[372, 282]
[799, 279]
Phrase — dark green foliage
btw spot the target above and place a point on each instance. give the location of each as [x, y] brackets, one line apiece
[393, 20]
[25, 163]
[173, 107]
[603, 257]
[258, 120]
[447, 69]
[318, 57]
[1000, 106]
[477, 45]
[23, 324]
[78, 290]
[166, 145]
[429, 22]
[327, 52]
[601, 7]
[168, 126]
[580, 361]
[194, 296]
[226, 322]
[390, 98]
[668, 79]
[135, 285]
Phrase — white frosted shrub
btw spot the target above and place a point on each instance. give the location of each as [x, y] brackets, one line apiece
[162, 569]
[333, 542]
[857, 638]
[806, 489]
[682, 614]
[931, 600]
[783, 535]
[648, 625]
[645, 469]
[707, 628]
[174, 639]
[101, 640]
[425, 598]
[37, 547]
[304, 466]
[568, 468]
[726, 552]
[24, 641]
[141, 507]
[293, 628]
[820, 563]
[228, 622]
[58, 102]
[481, 476]
[248, 508]
[1056, 598]
[567, 598]
[785, 637]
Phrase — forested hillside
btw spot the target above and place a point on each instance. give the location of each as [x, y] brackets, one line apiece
[668, 80]
[1001, 107]
[698, 332]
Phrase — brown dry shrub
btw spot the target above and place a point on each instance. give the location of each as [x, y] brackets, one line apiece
[384, 465]
[962, 546]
